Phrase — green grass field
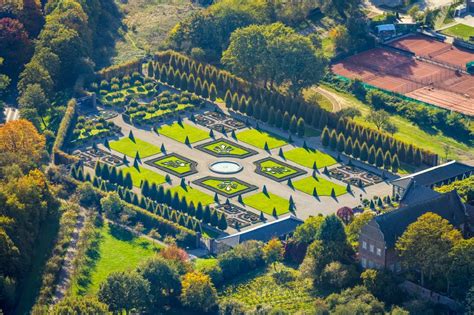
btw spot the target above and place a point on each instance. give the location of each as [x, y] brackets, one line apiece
[143, 173]
[275, 169]
[434, 141]
[460, 30]
[323, 186]
[179, 132]
[307, 157]
[175, 164]
[193, 194]
[258, 138]
[265, 203]
[118, 250]
[130, 148]
[199, 263]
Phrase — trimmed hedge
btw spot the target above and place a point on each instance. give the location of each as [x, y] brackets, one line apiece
[59, 156]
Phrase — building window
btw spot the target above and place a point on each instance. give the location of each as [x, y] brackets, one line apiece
[364, 244]
[371, 248]
[379, 252]
[364, 262]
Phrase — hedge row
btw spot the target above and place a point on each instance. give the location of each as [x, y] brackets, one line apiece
[67, 122]
[120, 69]
[179, 65]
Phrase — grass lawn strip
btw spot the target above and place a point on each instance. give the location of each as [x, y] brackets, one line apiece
[130, 148]
[307, 157]
[193, 194]
[222, 147]
[460, 30]
[143, 173]
[175, 164]
[179, 132]
[118, 250]
[323, 186]
[266, 203]
[257, 138]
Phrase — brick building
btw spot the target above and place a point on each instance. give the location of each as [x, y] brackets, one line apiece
[377, 238]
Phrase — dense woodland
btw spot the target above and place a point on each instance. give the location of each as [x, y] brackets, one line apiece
[50, 52]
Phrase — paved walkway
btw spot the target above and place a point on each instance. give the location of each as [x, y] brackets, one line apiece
[306, 205]
[64, 280]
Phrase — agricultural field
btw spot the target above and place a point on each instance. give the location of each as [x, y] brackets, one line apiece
[147, 24]
[263, 288]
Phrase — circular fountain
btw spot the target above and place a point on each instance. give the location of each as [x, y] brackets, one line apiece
[225, 167]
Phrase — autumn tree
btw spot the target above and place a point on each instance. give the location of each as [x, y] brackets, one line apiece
[198, 292]
[426, 243]
[273, 252]
[21, 144]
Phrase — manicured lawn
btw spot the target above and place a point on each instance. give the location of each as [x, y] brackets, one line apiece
[307, 157]
[199, 263]
[179, 132]
[223, 147]
[143, 173]
[227, 187]
[266, 203]
[261, 288]
[118, 250]
[323, 186]
[275, 169]
[130, 148]
[257, 138]
[193, 194]
[173, 163]
[460, 30]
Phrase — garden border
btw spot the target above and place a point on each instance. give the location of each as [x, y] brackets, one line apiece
[193, 164]
[259, 171]
[200, 182]
[202, 147]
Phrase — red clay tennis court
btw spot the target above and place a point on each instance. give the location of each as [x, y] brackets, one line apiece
[420, 80]
[433, 49]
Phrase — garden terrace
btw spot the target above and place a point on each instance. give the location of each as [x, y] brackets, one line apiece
[175, 164]
[276, 170]
[266, 202]
[131, 145]
[226, 148]
[259, 139]
[355, 176]
[228, 187]
[89, 157]
[218, 121]
[180, 131]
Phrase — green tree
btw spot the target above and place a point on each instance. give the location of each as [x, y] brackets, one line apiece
[124, 291]
[341, 143]
[325, 137]
[306, 232]
[426, 243]
[212, 92]
[460, 274]
[387, 160]
[395, 163]
[112, 206]
[222, 222]
[333, 140]
[286, 121]
[34, 98]
[379, 158]
[293, 124]
[354, 228]
[164, 280]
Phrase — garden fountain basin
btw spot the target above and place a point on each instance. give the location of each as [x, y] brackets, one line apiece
[225, 167]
